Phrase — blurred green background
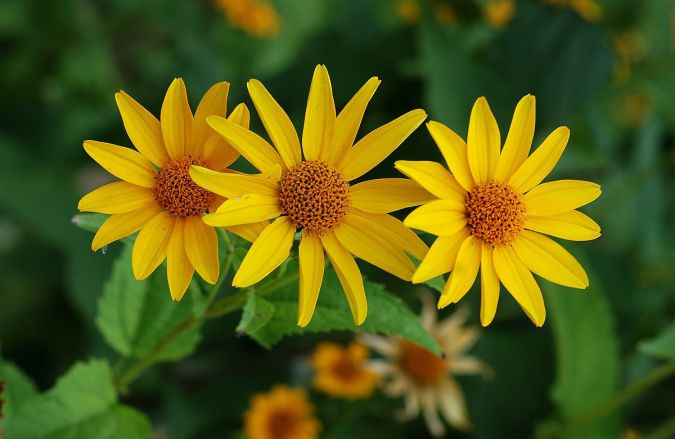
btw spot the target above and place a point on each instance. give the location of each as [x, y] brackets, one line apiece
[610, 77]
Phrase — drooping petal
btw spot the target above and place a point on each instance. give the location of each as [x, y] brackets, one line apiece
[231, 185]
[143, 129]
[117, 197]
[572, 225]
[550, 260]
[218, 153]
[454, 152]
[277, 123]
[151, 245]
[452, 405]
[440, 217]
[386, 195]
[317, 133]
[214, 101]
[483, 142]
[434, 178]
[560, 196]
[518, 140]
[463, 273]
[176, 120]
[349, 275]
[123, 163]
[520, 283]
[247, 209]
[429, 411]
[201, 247]
[441, 257]
[124, 224]
[249, 232]
[311, 274]
[179, 270]
[378, 144]
[267, 252]
[489, 286]
[541, 162]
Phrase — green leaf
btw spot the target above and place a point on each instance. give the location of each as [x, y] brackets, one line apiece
[257, 313]
[82, 404]
[17, 388]
[663, 345]
[135, 316]
[90, 222]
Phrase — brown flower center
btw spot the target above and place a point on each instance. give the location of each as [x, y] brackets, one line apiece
[422, 366]
[282, 424]
[495, 213]
[177, 193]
[314, 196]
[346, 369]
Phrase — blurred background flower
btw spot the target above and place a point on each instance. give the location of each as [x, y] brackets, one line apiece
[342, 372]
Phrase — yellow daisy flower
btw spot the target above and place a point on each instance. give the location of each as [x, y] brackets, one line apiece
[492, 210]
[314, 195]
[255, 17]
[156, 194]
[498, 13]
[282, 413]
[341, 372]
[425, 380]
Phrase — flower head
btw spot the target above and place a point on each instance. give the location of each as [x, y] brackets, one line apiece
[156, 194]
[425, 380]
[492, 209]
[282, 413]
[255, 17]
[314, 194]
[498, 13]
[341, 371]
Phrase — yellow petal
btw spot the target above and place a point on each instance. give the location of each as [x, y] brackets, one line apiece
[441, 257]
[311, 274]
[143, 129]
[179, 270]
[520, 283]
[176, 118]
[123, 163]
[560, 196]
[483, 142]
[348, 122]
[349, 275]
[218, 153]
[277, 123]
[572, 225]
[253, 147]
[247, 209]
[249, 232]
[541, 162]
[550, 260]
[463, 273]
[433, 177]
[122, 225]
[489, 286]
[214, 101]
[440, 217]
[518, 140]
[317, 133]
[387, 195]
[231, 185]
[151, 245]
[378, 144]
[118, 197]
[267, 252]
[454, 152]
[201, 247]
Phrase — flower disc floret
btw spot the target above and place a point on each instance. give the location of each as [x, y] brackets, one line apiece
[495, 213]
[177, 193]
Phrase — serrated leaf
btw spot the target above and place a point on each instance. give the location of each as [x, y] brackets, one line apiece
[257, 313]
[661, 346]
[17, 388]
[83, 405]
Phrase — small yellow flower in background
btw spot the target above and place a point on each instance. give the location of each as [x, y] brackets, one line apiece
[492, 210]
[409, 10]
[425, 380]
[498, 13]
[156, 194]
[313, 195]
[255, 17]
[341, 371]
[282, 413]
[444, 13]
[589, 10]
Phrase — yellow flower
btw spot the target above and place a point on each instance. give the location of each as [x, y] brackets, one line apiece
[425, 380]
[492, 209]
[498, 13]
[408, 10]
[282, 413]
[156, 194]
[255, 17]
[341, 372]
[313, 195]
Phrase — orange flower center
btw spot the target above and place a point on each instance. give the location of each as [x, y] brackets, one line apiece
[177, 193]
[346, 369]
[282, 424]
[495, 213]
[314, 196]
[422, 366]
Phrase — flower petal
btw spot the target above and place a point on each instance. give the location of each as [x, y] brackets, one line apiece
[489, 286]
[441, 257]
[560, 196]
[231, 185]
[143, 129]
[452, 405]
[124, 224]
[541, 162]
[518, 140]
[378, 144]
[311, 274]
[117, 197]
[277, 123]
[433, 177]
[249, 232]
[572, 225]
[214, 101]
[151, 245]
[270, 250]
[440, 217]
[123, 163]
[249, 208]
[386, 195]
[176, 118]
[454, 152]
[317, 133]
[179, 270]
[464, 272]
[218, 154]
[201, 248]
[483, 142]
